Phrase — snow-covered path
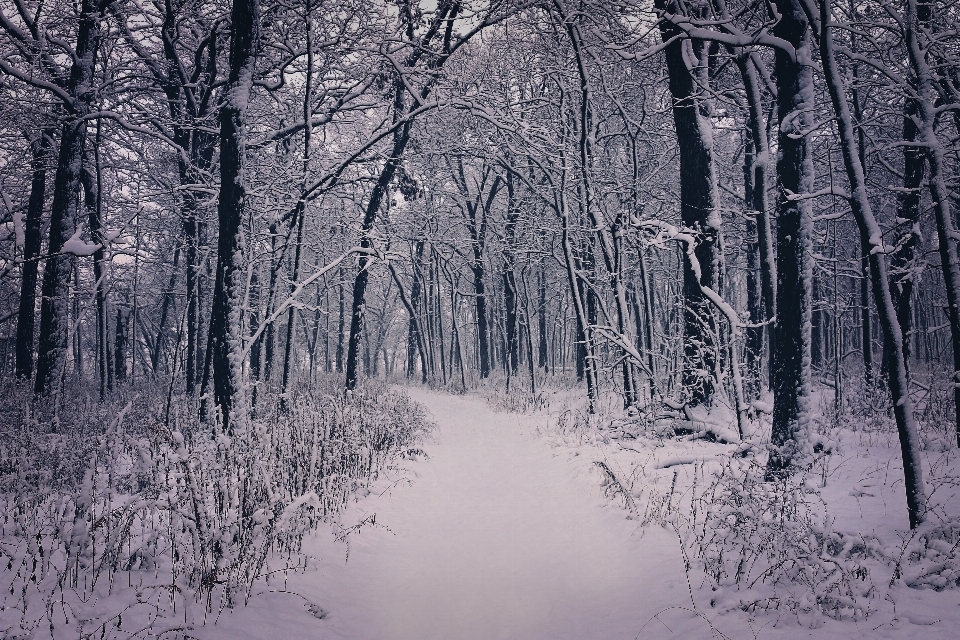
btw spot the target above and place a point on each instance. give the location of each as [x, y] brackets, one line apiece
[499, 536]
[493, 537]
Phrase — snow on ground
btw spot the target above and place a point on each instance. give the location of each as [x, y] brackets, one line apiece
[505, 532]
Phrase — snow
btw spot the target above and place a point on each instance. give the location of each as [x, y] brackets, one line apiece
[493, 536]
[505, 530]
[78, 246]
[18, 228]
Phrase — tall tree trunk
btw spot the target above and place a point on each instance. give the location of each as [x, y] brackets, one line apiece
[871, 236]
[358, 307]
[918, 16]
[202, 146]
[698, 212]
[299, 218]
[438, 310]
[340, 322]
[446, 13]
[413, 326]
[225, 330]
[120, 346]
[165, 302]
[866, 322]
[584, 327]
[301, 210]
[480, 297]
[32, 240]
[510, 279]
[753, 347]
[91, 198]
[54, 305]
[256, 346]
[417, 332]
[866, 319]
[903, 262]
[792, 406]
[542, 319]
[756, 176]
[270, 340]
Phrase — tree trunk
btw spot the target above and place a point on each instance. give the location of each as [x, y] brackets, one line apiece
[26, 314]
[54, 305]
[917, 18]
[871, 237]
[480, 297]
[357, 308]
[902, 264]
[542, 319]
[753, 347]
[165, 303]
[413, 331]
[584, 330]
[120, 347]
[340, 322]
[91, 198]
[416, 329]
[225, 323]
[698, 213]
[792, 406]
[510, 279]
[756, 176]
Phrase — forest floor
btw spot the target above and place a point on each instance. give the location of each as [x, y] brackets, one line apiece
[499, 532]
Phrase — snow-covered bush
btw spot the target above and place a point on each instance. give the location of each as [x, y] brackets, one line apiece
[134, 527]
[771, 545]
[930, 558]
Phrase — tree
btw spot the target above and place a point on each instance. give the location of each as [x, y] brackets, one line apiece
[225, 337]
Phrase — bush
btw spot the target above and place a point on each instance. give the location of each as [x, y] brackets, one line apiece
[133, 527]
[771, 545]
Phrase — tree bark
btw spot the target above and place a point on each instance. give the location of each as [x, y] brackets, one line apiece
[871, 237]
[120, 347]
[54, 305]
[446, 14]
[91, 197]
[225, 331]
[26, 313]
[542, 319]
[918, 16]
[753, 346]
[792, 407]
[413, 327]
[756, 177]
[510, 279]
[903, 261]
[698, 212]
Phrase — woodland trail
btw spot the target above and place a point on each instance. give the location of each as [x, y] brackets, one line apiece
[492, 537]
[496, 536]
[496, 539]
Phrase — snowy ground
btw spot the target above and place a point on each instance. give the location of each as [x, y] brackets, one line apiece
[504, 533]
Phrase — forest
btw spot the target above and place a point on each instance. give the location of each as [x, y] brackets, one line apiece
[712, 244]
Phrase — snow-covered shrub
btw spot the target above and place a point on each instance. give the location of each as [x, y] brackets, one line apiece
[930, 558]
[137, 527]
[513, 396]
[771, 545]
[867, 407]
[518, 402]
[936, 415]
[576, 426]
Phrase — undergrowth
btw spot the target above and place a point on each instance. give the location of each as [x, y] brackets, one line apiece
[760, 545]
[119, 523]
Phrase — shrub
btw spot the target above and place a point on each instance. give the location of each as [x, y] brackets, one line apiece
[136, 527]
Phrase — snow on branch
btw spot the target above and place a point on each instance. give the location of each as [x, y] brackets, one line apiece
[80, 247]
